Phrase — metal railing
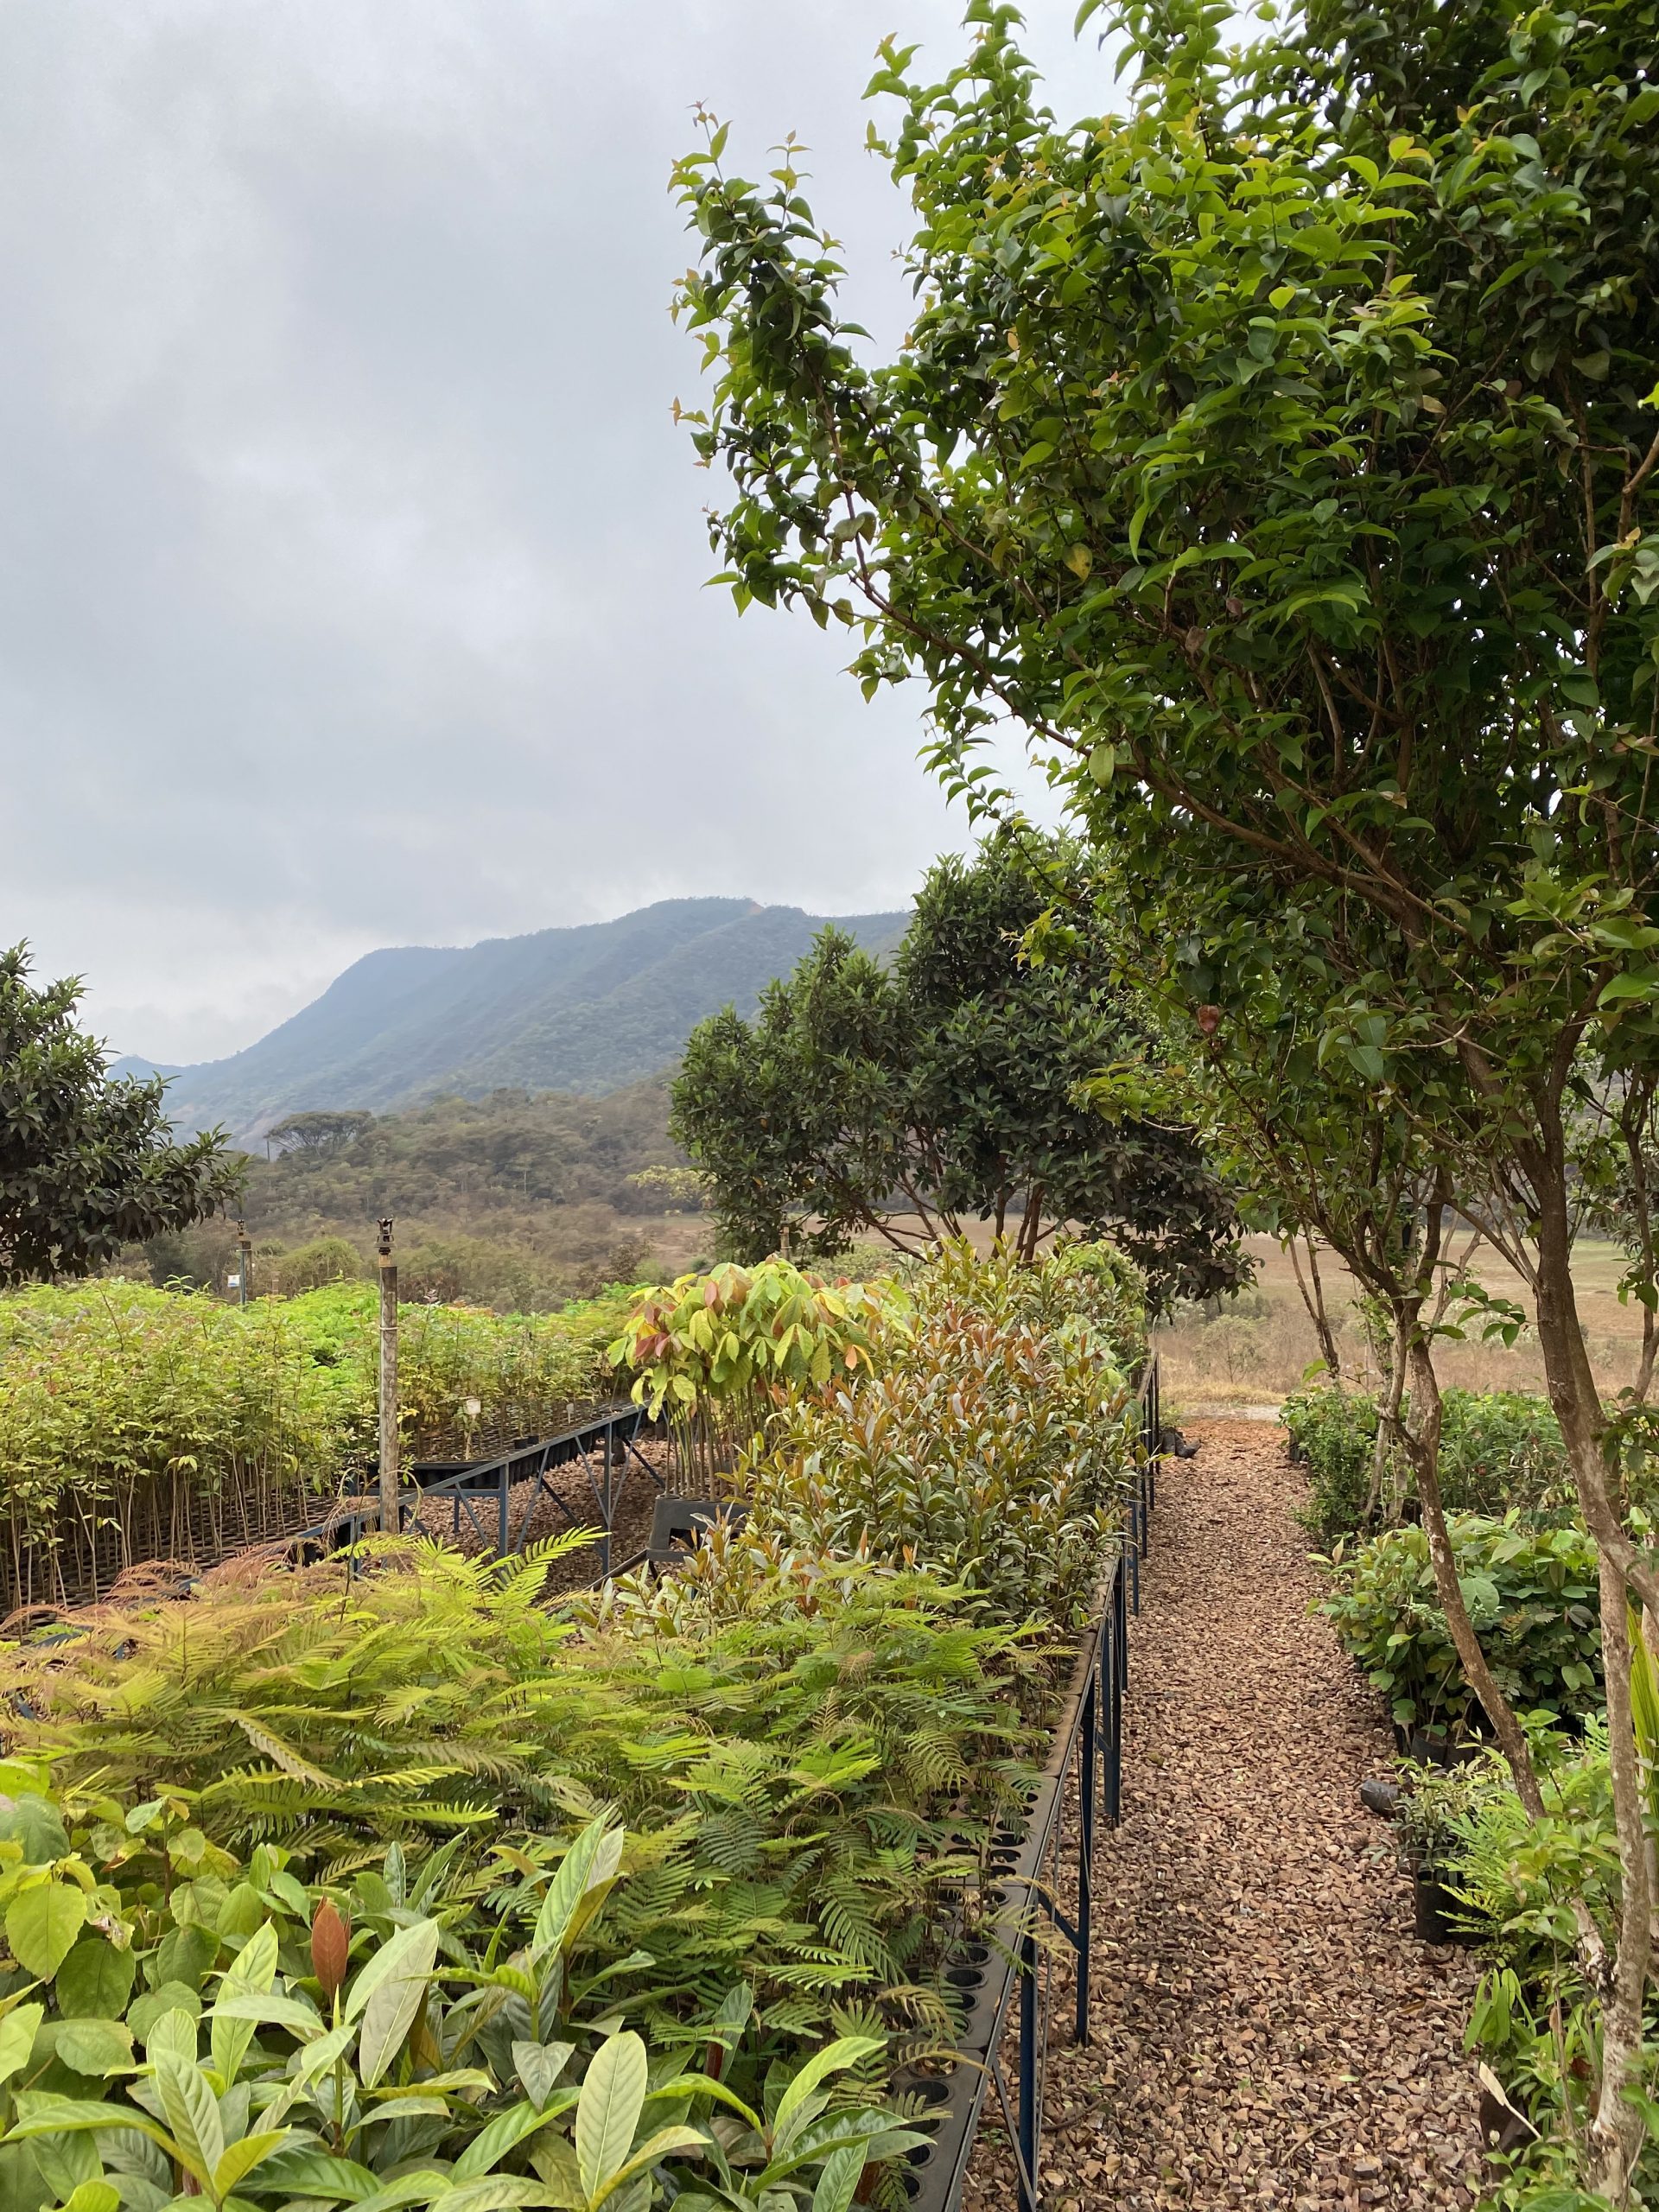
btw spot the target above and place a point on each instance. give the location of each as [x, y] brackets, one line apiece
[604, 1445]
[1012, 1980]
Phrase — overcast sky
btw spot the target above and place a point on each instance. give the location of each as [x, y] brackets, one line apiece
[351, 567]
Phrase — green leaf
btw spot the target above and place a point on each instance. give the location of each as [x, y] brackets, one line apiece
[491, 2194]
[302, 2020]
[94, 2046]
[306, 2171]
[95, 1980]
[842, 2171]
[663, 2144]
[613, 2097]
[500, 2135]
[847, 2050]
[242, 2157]
[191, 2113]
[426, 2187]
[93, 2197]
[396, 1998]
[539, 2066]
[18, 2032]
[593, 1859]
[41, 1925]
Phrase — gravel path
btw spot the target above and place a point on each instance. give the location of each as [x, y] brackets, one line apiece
[1266, 2029]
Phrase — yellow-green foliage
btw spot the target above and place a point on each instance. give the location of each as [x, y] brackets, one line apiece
[988, 1436]
[734, 1331]
[119, 1405]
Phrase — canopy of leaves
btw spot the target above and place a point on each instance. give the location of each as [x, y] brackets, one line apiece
[908, 1099]
[1279, 451]
[86, 1165]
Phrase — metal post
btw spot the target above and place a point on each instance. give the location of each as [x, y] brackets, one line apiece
[244, 1264]
[389, 1470]
[1086, 1841]
[1030, 2094]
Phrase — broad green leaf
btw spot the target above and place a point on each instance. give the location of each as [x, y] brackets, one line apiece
[390, 1962]
[847, 2050]
[554, 2157]
[95, 1980]
[41, 1925]
[663, 2144]
[410, 2106]
[302, 2021]
[842, 2171]
[498, 2136]
[17, 2038]
[308, 2172]
[68, 2161]
[242, 2157]
[173, 2036]
[192, 2113]
[613, 2097]
[539, 2066]
[254, 1966]
[92, 2196]
[39, 2114]
[591, 1861]
[94, 2046]
[426, 2187]
[395, 2000]
[494, 2193]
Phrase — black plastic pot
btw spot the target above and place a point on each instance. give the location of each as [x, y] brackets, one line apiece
[1438, 1912]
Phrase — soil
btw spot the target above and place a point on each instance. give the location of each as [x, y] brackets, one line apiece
[1266, 2029]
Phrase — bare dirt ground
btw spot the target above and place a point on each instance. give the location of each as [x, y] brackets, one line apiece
[1266, 2029]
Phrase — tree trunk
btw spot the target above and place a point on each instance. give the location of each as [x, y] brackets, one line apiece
[1387, 1424]
[1616, 2130]
[1314, 1300]
[1421, 1441]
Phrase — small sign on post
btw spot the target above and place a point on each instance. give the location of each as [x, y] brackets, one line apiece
[389, 1468]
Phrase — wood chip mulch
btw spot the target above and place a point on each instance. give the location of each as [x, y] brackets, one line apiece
[1266, 2027]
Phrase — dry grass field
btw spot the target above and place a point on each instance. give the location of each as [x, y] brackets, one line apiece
[1257, 1349]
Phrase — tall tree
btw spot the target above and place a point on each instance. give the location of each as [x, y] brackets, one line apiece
[86, 1165]
[907, 1099]
[1280, 454]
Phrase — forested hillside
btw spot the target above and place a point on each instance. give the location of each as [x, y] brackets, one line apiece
[589, 1010]
[517, 1199]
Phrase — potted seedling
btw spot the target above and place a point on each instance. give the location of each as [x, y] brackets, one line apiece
[1425, 1817]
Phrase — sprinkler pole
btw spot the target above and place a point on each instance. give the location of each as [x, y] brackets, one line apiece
[389, 1470]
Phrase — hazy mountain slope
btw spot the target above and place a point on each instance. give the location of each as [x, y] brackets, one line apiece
[587, 1009]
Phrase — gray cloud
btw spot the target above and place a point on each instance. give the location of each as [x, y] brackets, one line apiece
[351, 567]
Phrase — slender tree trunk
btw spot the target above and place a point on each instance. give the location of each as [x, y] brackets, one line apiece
[1421, 1439]
[1387, 1423]
[1313, 1291]
[1616, 2130]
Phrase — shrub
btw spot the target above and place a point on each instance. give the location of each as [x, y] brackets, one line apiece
[1498, 1449]
[441, 2035]
[1532, 1597]
[990, 1443]
[814, 1774]
[310, 1267]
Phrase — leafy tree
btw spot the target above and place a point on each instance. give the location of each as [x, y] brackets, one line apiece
[318, 1131]
[906, 1099]
[1280, 452]
[85, 1163]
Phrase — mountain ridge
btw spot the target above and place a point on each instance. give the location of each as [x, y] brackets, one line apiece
[590, 1008]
